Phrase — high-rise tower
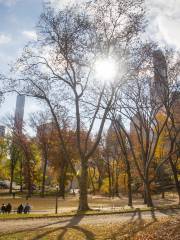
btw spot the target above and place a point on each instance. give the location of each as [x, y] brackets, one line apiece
[2, 131]
[160, 82]
[176, 109]
[19, 112]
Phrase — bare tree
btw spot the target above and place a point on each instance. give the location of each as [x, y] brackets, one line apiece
[59, 68]
[144, 108]
[170, 99]
[124, 146]
[44, 129]
[137, 106]
[14, 148]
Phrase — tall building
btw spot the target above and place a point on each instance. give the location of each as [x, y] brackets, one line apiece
[137, 129]
[112, 144]
[19, 112]
[160, 82]
[159, 88]
[176, 108]
[135, 120]
[2, 131]
[48, 128]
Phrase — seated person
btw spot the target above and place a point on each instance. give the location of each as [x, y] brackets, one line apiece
[27, 208]
[20, 209]
[8, 208]
[3, 208]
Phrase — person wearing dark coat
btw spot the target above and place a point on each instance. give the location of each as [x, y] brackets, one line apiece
[27, 208]
[3, 208]
[20, 209]
[8, 208]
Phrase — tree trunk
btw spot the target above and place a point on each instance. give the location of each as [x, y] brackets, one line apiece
[29, 180]
[11, 179]
[144, 195]
[113, 180]
[163, 194]
[149, 201]
[44, 177]
[117, 184]
[83, 183]
[129, 184]
[21, 176]
[174, 170]
[92, 183]
[29, 187]
[110, 182]
[62, 184]
[99, 183]
[62, 179]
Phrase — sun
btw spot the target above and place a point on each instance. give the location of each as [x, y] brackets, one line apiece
[105, 69]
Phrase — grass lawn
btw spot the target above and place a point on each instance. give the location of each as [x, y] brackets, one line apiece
[71, 203]
[163, 229]
[91, 212]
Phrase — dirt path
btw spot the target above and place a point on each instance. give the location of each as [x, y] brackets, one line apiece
[12, 226]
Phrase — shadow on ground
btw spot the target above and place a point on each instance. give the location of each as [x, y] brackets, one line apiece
[72, 224]
[123, 229]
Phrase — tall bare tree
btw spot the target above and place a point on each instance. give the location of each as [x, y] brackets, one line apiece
[44, 129]
[59, 68]
[171, 105]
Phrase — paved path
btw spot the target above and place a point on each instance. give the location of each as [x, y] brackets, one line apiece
[41, 223]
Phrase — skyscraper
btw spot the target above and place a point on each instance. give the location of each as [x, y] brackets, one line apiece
[158, 91]
[160, 81]
[19, 112]
[2, 131]
[176, 108]
[112, 144]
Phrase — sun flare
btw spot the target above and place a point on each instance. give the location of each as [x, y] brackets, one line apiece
[105, 70]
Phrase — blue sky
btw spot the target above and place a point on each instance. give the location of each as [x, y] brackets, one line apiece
[17, 27]
[18, 19]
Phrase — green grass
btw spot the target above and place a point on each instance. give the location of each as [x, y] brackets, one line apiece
[48, 203]
[85, 213]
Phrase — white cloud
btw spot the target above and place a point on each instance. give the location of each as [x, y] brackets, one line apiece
[31, 35]
[164, 19]
[58, 4]
[164, 25]
[4, 39]
[8, 3]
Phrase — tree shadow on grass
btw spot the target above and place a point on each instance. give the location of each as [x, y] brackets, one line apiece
[32, 228]
[135, 225]
[129, 228]
[170, 212]
[124, 231]
[138, 214]
[71, 225]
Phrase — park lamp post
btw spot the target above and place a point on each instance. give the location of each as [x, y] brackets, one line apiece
[56, 207]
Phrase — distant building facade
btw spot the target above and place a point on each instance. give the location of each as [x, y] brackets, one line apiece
[158, 94]
[160, 81]
[159, 87]
[112, 144]
[46, 129]
[176, 107]
[2, 131]
[19, 112]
